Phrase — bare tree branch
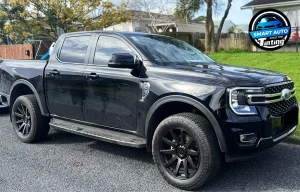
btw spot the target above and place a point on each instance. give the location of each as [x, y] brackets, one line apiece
[216, 46]
[156, 11]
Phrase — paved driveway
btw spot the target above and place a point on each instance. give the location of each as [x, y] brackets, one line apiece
[67, 162]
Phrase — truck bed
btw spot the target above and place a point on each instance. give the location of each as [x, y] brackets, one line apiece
[14, 71]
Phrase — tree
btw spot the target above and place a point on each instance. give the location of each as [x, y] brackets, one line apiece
[235, 29]
[63, 15]
[18, 25]
[221, 25]
[211, 7]
[209, 26]
[185, 9]
[87, 15]
[158, 12]
[200, 18]
[3, 20]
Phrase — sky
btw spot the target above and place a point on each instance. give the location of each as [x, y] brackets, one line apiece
[236, 15]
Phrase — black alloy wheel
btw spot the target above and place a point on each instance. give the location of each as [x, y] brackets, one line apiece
[180, 154]
[23, 120]
[186, 151]
[28, 122]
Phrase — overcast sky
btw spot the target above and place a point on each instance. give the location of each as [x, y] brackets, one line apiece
[236, 15]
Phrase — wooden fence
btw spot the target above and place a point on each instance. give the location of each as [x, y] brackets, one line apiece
[243, 43]
[17, 51]
[227, 41]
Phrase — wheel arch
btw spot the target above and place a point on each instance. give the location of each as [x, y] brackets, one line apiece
[189, 101]
[14, 93]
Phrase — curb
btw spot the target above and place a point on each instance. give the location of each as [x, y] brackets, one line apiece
[292, 140]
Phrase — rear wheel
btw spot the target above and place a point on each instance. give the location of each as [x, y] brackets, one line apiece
[186, 151]
[29, 124]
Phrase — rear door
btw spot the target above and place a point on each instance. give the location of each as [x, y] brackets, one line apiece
[64, 76]
[110, 94]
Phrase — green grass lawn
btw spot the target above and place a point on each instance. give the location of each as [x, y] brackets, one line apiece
[287, 63]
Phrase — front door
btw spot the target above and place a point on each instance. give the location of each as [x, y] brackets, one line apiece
[110, 97]
[64, 77]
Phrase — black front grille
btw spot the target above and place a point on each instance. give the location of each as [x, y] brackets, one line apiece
[258, 99]
[282, 106]
[279, 88]
[285, 122]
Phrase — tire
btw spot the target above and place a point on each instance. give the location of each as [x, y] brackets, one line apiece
[26, 113]
[199, 144]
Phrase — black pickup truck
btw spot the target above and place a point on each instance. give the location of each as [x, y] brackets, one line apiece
[144, 90]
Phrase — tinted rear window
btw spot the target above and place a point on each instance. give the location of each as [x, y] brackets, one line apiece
[74, 49]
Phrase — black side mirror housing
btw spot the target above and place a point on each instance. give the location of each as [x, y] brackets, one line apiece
[122, 60]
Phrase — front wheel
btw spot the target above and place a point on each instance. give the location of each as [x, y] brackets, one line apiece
[186, 151]
[29, 124]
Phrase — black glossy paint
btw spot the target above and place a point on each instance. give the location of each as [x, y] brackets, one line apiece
[111, 97]
[17, 72]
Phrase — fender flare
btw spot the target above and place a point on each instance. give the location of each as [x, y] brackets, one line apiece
[25, 82]
[196, 104]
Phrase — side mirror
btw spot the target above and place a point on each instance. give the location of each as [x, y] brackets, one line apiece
[122, 60]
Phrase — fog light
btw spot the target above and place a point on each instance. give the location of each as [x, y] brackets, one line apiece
[248, 138]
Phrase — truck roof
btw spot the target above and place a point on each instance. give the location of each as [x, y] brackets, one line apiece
[110, 32]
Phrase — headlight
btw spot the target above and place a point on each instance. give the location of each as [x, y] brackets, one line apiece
[238, 100]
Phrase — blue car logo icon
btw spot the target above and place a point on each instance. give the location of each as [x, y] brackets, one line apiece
[269, 23]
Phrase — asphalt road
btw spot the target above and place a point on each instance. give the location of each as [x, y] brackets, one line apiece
[67, 162]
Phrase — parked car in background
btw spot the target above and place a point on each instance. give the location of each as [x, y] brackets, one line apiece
[295, 36]
[146, 90]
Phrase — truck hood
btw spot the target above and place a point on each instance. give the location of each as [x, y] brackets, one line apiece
[227, 75]
[244, 76]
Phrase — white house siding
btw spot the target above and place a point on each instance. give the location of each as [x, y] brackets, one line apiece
[192, 28]
[141, 26]
[131, 26]
[292, 12]
[128, 26]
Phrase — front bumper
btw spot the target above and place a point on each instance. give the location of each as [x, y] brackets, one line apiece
[268, 131]
[264, 143]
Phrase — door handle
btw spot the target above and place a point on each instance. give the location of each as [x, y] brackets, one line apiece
[54, 72]
[93, 76]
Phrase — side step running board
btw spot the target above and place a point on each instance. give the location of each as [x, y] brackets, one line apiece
[98, 133]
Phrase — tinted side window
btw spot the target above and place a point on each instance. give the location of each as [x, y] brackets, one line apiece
[106, 46]
[74, 49]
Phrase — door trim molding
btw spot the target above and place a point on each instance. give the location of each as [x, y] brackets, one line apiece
[94, 124]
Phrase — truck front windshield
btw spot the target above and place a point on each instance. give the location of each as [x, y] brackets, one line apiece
[164, 50]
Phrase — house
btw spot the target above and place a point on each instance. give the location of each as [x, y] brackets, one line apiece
[153, 22]
[291, 8]
[227, 25]
[243, 27]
